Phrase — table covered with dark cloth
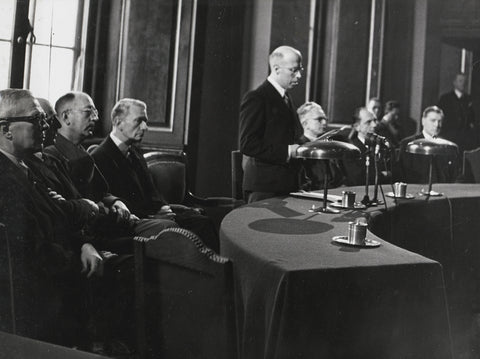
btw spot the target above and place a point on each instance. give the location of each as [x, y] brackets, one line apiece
[445, 229]
[301, 296]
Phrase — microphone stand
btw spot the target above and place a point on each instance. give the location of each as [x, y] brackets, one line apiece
[374, 201]
[366, 199]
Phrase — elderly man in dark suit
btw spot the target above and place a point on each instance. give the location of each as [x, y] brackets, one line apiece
[77, 116]
[415, 168]
[269, 129]
[459, 124]
[128, 176]
[312, 174]
[364, 124]
[48, 246]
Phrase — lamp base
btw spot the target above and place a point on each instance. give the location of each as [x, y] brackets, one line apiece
[327, 209]
[423, 192]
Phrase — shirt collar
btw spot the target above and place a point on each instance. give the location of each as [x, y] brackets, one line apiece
[458, 93]
[427, 136]
[122, 146]
[310, 138]
[277, 86]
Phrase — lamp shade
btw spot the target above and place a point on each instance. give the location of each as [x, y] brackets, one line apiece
[437, 146]
[328, 150]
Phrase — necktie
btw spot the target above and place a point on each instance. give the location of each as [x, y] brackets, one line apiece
[286, 100]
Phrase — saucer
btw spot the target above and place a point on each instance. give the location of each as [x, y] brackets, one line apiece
[392, 195]
[357, 205]
[369, 243]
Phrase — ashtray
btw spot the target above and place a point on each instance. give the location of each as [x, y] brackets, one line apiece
[392, 195]
[369, 243]
[357, 205]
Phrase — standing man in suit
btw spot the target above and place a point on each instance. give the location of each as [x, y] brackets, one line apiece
[269, 129]
[374, 105]
[459, 124]
[414, 168]
[127, 174]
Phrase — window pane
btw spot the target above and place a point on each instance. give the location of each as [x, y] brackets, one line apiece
[51, 74]
[58, 16]
[4, 64]
[7, 9]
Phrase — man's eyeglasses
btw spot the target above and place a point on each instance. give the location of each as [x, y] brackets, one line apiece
[89, 111]
[39, 119]
[294, 70]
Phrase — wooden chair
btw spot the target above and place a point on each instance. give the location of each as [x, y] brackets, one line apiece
[184, 298]
[471, 166]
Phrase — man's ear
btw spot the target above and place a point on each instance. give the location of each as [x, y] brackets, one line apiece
[64, 117]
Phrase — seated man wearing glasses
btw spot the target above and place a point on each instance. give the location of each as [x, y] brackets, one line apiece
[314, 123]
[47, 246]
[269, 129]
[77, 116]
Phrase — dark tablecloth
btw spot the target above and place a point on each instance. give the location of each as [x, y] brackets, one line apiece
[301, 296]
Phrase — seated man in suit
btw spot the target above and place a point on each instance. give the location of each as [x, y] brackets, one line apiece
[390, 126]
[364, 124]
[127, 174]
[77, 117]
[415, 168]
[48, 246]
[314, 123]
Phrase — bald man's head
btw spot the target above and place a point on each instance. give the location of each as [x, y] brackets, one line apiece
[286, 66]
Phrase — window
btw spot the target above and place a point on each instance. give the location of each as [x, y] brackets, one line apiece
[52, 59]
[7, 9]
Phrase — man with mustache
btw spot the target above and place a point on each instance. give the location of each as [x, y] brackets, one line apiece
[127, 174]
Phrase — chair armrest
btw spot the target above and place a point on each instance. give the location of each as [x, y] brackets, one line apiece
[226, 202]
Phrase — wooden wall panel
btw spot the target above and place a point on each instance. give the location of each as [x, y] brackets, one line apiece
[350, 74]
[397, 59]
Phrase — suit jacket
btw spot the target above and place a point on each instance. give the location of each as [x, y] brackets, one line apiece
[415, 168]
[45, 253]
[355, 169]
[267, 126]
[459, 123]
[80, 167]
[129, 179]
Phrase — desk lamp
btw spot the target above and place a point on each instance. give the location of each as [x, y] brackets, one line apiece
[431, 148]
[326, 150]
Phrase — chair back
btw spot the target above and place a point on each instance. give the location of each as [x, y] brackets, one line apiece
[237, 174]
[187, 291]
[169, 172]
[471, 165]
[7, 303]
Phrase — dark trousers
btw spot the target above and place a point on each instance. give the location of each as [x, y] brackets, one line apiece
[201, 225]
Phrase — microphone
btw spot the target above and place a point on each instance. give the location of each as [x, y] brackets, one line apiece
[330, 133]
[373, 139]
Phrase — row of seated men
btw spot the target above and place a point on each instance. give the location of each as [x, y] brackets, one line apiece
[271, 129]
[393, 164]
[72, 216]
